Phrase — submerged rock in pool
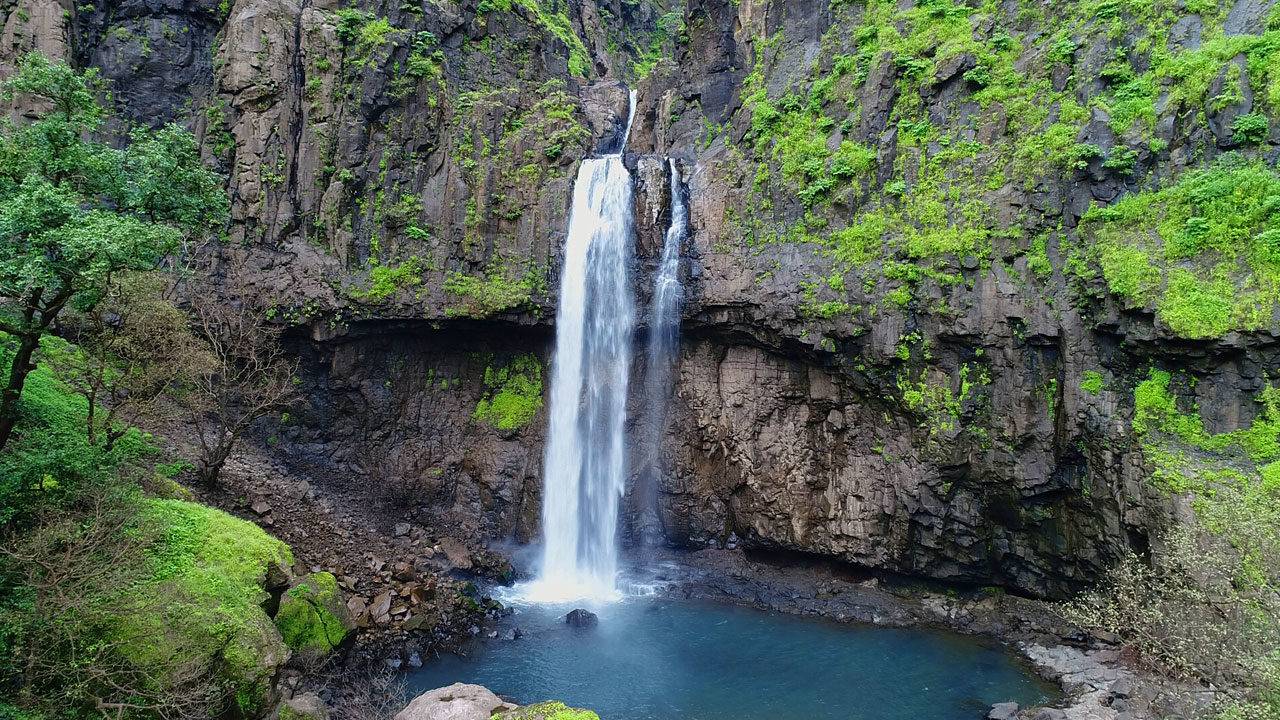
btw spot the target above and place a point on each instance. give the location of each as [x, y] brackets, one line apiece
[582, 618]
[456, 702]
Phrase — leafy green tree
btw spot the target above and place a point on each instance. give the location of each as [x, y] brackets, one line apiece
[75, 211]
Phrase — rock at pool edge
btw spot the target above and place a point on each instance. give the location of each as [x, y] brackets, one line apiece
[456, 702]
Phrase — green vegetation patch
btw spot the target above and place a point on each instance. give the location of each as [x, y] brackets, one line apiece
[212, 569]
[482, 297]
[514, 394]
[554, 22]
[364, 34]
[52, 460]
[386, 280]
[1204, 252]
[1091, 382]
[1156, 413]
[547, 711]
[812, 176]
[939, 407]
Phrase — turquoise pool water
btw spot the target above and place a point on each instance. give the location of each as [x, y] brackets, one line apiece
[661, 659]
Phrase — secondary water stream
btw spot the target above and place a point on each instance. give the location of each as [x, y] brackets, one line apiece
[664, 337]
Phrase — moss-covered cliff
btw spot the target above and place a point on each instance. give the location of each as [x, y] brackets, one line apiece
[936, 246]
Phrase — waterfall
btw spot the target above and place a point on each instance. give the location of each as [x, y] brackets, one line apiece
[584, 469]
[664, 332]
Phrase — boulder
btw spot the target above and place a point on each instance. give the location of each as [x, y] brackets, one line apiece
[313, 617]
[205, 602]
[458, 555]
[1003, 711]
[456, 702]
[582, 618]
[308, 706]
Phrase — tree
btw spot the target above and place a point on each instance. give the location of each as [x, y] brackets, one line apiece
[75, 211]
[249, 375]
[132, 350]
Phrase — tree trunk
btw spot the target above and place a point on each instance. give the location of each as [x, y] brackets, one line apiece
[211, 464]
[18, 371]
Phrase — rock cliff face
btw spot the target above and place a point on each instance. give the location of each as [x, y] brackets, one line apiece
[909, 343]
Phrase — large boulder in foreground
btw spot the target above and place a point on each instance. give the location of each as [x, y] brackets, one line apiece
[313, 617]
[474, 702]
[456, 702]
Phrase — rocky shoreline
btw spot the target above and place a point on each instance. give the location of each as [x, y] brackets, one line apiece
[1097, 680]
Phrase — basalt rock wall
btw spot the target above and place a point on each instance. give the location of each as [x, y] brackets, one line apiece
[892, 304]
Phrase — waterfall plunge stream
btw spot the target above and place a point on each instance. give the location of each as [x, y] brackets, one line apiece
[584, 469]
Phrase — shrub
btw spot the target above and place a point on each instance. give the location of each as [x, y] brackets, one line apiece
[1250, 129]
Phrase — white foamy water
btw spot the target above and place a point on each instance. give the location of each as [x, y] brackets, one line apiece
[584, 469]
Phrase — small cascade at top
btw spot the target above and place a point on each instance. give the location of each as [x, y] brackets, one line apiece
[584, 469]
[664, 334]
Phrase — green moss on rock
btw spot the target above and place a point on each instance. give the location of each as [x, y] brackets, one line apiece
[1092, 382]
[313, 617]
[202, 602]
[515, 394]
[1203, 252]
[547, 711]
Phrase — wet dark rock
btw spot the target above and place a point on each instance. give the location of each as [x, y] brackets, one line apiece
[580, 618]
[1248, 17]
